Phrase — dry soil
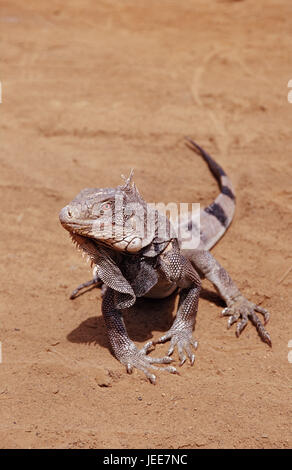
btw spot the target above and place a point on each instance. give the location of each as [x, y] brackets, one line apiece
[90, 90]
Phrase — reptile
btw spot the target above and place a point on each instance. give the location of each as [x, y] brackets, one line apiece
[134, 258]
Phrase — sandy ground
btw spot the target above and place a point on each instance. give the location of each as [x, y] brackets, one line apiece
[90, 90]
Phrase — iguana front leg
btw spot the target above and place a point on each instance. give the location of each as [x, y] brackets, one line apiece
[124, 349]
[178, 269]
[181, 332]
[239, 309]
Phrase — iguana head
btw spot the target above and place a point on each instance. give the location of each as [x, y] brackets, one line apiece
[115, 217]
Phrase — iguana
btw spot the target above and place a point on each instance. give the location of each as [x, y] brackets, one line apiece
[134, 258]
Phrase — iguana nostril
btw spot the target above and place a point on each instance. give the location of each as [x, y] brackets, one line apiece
[65, 214]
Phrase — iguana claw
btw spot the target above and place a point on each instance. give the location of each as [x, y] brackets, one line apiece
[135, 358]
[244, 310]
[183, 339]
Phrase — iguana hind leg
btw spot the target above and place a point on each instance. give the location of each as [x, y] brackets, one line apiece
[95, 281]
[239, 309]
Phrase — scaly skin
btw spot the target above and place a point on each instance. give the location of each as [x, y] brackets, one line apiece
[132, 259]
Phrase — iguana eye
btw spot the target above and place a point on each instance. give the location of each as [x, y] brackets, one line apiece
[106, 206]
[99, 209]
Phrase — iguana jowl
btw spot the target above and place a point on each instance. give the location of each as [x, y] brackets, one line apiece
[130, 263]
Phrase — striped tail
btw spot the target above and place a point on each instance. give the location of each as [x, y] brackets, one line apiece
[214, 219]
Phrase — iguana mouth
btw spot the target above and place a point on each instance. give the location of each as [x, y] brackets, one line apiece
[82, 242]
[72, 225]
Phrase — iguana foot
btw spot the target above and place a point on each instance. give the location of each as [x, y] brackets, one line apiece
[242, 309]
[183, 339]
[134, 357]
